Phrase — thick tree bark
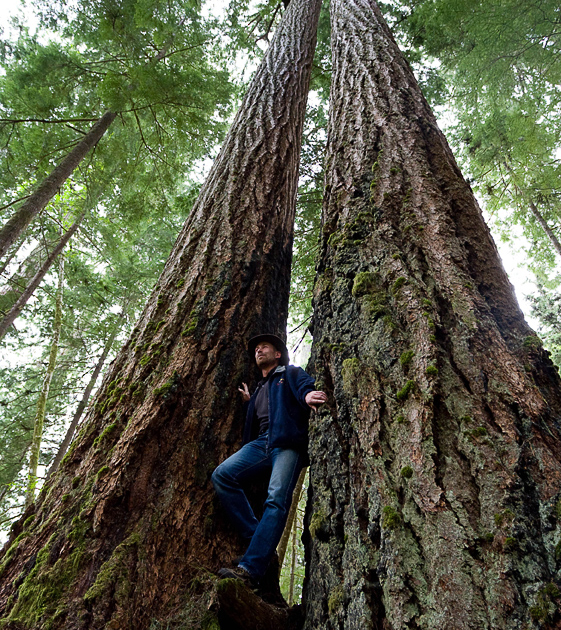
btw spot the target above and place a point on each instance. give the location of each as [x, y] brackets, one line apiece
[83, 402]
[129, 526]
[436, 464]
[35, 450]
[16, 309]
[35, 203]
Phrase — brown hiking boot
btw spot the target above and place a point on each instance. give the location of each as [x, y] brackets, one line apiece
[239, 573]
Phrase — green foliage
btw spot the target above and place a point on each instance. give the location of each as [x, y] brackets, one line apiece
[308, 214]
[546, 306]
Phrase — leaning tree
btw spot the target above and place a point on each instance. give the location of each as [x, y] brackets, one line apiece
[125, 532]
[436, 465]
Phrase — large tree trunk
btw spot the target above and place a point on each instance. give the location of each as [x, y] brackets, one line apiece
[35, 203]
[16, 309]
[436, 464]
[129, 526]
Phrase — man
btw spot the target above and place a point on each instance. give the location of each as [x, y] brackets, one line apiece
[275, 438]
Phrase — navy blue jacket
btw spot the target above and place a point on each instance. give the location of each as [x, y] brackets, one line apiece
[288, 411]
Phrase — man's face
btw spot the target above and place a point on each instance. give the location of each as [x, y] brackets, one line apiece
[266, 354]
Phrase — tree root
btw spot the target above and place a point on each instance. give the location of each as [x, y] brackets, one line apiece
[239, 608]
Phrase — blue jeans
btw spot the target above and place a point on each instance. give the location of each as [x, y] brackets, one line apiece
[264, 535]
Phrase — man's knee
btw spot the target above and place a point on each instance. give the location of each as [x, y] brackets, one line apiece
[217, 477]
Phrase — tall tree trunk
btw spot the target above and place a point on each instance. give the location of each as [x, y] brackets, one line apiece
[130, 517]
[18, 281]
[16, 309]
[293, 562]
[44, 394]
[35, 203]
[11, 255]
[436, 464]
[83, 402]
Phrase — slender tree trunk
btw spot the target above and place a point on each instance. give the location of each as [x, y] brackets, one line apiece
[293, 553]
[11, 256]
[18, 281]
[130, 517]
[535, 211]
[16, 309]
[283, 544]
[83, 402]
[436, 463]
[35, 203]
[43, 396]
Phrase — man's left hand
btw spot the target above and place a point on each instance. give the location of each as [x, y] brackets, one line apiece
[316, 398]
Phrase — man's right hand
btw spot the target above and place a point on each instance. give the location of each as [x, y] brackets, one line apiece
[245, 392]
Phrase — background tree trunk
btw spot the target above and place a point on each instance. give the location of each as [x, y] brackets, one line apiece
[436, 464]
[35, 450]
[83, 402]
[534, 209]
[283, 543]
[34, 204]
[16, 309]
[127, 530]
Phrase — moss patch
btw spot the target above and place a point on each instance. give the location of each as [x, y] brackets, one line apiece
[336, 599]
[406, 472]
[40, 595]
[404, 392]
[363, 283]
[398, 284]
[318, 524]
[406, 358]
[114, 570]
[351, 373]
[104, 435]
[391, 518]
[532, 342]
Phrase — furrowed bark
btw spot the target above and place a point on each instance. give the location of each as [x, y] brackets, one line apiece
[36, 202]
[130, 520]
[436, 464]
[44, 394]
[16, 309]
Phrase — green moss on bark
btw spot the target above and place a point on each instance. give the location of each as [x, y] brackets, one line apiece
[391, 518]
[404, 392]
[114, 570]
